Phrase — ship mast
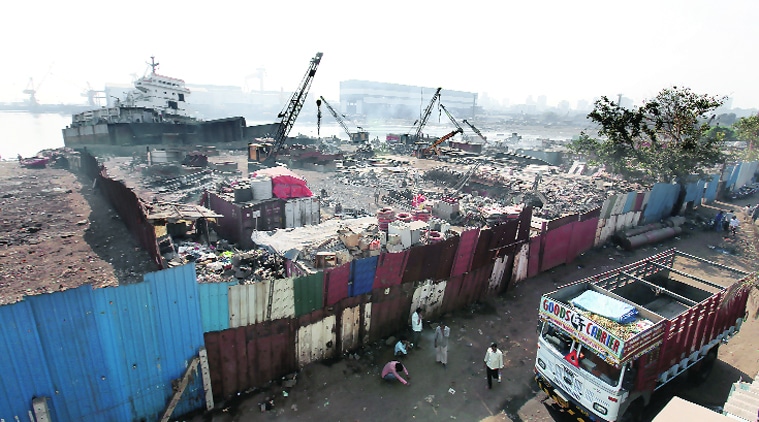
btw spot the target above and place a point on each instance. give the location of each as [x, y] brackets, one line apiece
[153, 64]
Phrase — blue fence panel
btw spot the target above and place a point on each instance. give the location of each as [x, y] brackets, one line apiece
[24, 374]
[694, 192]
[630, 202]
[71, 342]
[660, 202]
[730, 175]
[214, 305]
[128, 331]
[711, 188]
[362, 275]
[180, 327]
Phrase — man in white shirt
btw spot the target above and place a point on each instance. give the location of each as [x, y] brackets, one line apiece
[416, 327]
[493, 363]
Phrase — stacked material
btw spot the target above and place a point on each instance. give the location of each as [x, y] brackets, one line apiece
[385, 216]
[261, 187]
[284, 183]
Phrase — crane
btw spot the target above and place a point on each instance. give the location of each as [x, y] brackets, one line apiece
[289, 114]
[477, 131]
[450, 117]
[354, 137]
[425, 152]
[425, 116]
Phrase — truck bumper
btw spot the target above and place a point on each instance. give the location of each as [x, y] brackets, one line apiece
[567, 405]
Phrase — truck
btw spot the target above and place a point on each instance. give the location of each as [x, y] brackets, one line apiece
[608, 342]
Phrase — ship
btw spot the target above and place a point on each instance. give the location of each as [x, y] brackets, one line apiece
[154, 114]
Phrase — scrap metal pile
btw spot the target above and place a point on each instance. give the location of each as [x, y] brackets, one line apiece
[224, 264]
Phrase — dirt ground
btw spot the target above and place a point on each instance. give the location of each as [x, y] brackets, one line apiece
[57, 232]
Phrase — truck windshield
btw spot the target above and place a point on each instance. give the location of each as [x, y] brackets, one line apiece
[588, 361]
[596, 366]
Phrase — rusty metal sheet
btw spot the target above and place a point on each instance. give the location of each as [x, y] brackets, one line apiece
[414, 264]
[555, 246]
[309, 293]
[247, 357]
[390, 269]
[524, 224]
[591, 214]
[248, 304]
[354, 323]
[561, 221]
[428, 295]
[521, 263]
[465, 252]
[336, 283]
[482, 253]
[282, 298]
[316, 341]
[619, 204]
[362, 276]
[445, 258]
[583, 237]
[501, 274]
[533, 267]
[390, 310]
[474, 284]
[430, 261]
[451, 300]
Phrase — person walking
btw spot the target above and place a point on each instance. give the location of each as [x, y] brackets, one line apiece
[493, 363]
[734, 223]
[442, 332]
[416, 327]
[392, 371]
[718, 220]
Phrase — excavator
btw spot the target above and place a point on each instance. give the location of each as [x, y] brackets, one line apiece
[266, 154]
[450, 117]
[360, 137]
[426, 152]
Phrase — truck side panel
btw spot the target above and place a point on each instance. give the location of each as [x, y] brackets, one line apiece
[714, 316]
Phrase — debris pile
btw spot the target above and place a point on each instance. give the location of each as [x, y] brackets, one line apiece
[223, 264]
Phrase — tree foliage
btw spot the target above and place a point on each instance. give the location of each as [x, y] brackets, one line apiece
[665, 139]
[747, 129]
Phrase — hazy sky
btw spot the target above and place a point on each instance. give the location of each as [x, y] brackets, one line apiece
[566, 50]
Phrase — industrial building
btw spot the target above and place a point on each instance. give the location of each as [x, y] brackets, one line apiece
[375, 100]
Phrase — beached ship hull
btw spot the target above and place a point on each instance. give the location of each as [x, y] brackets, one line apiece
[230, 131]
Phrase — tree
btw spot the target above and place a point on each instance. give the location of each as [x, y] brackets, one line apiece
[747, 129]
[667, 139]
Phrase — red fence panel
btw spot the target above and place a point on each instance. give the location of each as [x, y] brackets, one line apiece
[336, 283]
[482, 253]
[555, 247]
[465, 252]
[246, 357]
[444, 261]
[390, 269]
[390, 310]
[533, 268]
[583, 237]
[415, 264]
[452, 300]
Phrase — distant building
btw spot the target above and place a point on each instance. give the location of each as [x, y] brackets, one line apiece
[394, 101]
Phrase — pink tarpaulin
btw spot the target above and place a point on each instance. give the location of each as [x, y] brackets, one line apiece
[284, 183]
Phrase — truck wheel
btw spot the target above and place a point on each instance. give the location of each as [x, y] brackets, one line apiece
[699, 373]
[634, 412]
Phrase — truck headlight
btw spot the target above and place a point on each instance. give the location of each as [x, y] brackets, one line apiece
[600, 409]
[541, 364]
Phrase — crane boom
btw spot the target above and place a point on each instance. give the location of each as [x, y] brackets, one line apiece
[336, 115]
[426, 115]
[477, 131]
[434, 146]
[294, 106]
[450, 117]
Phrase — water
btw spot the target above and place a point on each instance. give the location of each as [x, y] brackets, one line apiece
[27, 134]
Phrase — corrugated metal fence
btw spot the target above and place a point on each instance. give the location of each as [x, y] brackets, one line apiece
[111, 354]
[105, 354]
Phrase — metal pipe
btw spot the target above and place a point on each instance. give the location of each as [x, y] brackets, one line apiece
[661, 289]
